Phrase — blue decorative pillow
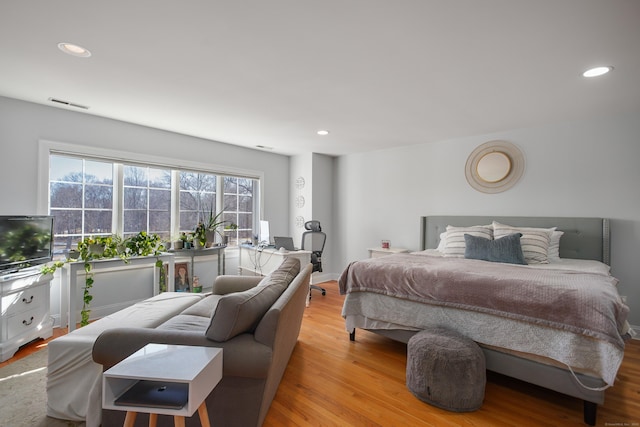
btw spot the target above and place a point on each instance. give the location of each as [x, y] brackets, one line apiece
[506, 249]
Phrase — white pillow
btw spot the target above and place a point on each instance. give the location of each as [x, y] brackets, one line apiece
[443, 241]
[535, 241]
[455, 244]
[554, 245]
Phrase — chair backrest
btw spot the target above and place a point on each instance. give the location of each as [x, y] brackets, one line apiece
[314, 240]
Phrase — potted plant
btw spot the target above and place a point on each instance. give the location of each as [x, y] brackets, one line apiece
[100, 247]
[200, 236]
[213, 224]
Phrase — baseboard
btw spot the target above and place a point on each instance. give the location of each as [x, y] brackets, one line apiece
[319, 277]
[636, 328]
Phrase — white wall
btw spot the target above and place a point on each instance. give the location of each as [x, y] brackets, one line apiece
[317, 172]
[583, 168]
[23, 125]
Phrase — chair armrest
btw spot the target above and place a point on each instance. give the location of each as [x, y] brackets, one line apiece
[227, 284]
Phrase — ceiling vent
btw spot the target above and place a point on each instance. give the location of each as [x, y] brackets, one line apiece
[67, 103]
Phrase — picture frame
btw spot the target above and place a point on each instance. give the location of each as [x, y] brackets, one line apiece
[182, 281]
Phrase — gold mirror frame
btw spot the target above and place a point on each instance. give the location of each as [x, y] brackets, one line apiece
[505, 156]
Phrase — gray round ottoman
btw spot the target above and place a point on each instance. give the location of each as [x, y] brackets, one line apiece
[446, 369]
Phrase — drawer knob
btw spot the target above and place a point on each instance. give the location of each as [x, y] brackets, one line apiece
[28, 322]
[27, 301]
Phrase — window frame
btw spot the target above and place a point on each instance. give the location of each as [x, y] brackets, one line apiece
[46, 148]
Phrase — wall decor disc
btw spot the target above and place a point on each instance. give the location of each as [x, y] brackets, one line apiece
[300, 201]
[494, 166]
[299, 221]
[299, 183]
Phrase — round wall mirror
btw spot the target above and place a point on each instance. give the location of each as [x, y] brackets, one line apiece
[494, 166]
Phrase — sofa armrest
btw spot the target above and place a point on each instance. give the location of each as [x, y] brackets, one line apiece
[227, 284]
[243, 356]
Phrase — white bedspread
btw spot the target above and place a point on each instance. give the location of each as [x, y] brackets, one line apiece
[74, 380]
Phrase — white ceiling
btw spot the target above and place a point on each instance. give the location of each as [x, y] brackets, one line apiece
[376, 73]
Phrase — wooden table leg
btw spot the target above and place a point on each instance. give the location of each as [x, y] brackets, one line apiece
[204, 415]
[178, 421]
[130, 419]
[153, 420]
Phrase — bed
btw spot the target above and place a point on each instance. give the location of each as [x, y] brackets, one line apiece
[567, 329]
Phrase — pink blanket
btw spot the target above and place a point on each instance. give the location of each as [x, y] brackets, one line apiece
[582, 303]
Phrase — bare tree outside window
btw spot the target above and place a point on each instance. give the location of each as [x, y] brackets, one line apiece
[81, 199]
[147, 201]
[197, 198]
[238, 208]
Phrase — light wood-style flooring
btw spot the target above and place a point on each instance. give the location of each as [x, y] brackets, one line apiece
[331, 381]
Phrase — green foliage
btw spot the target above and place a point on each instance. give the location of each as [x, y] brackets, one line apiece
[200, 235]
[103, 247]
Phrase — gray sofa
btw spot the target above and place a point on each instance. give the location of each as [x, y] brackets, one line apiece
[257, 344]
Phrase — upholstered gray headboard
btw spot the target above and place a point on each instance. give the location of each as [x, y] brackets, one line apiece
[584, 238]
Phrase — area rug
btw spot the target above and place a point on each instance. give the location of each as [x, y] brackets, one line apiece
[23, 396]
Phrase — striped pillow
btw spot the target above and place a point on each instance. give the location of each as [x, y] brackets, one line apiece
[535, 241]
[455, 244]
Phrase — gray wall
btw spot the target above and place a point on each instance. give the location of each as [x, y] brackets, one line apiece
[23, 125]
[580, 168]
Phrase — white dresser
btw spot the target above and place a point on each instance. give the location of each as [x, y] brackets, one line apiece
[25, 310]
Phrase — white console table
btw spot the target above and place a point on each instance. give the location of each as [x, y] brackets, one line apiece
[25, 310]
[71, 271]
[257, 261]
[198, 367]
[192, 254]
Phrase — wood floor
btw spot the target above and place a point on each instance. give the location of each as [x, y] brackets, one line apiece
[331, 381]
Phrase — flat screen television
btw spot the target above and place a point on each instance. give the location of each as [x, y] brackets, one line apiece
[25, 241]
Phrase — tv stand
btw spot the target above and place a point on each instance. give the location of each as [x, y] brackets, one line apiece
[25, 311]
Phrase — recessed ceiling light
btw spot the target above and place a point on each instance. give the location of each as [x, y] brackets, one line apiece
[597, 71]
[73, 49]
[323, 132]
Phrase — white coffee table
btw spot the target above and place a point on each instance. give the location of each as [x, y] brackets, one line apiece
[199, 367]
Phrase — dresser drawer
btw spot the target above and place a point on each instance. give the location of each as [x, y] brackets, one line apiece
[26, 321]
[27, 299]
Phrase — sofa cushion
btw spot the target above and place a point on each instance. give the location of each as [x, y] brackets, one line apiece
[240, 312]
[185, 322]
[286, 272]
[203, 308]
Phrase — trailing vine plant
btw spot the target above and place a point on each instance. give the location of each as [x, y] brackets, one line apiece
[104, 247]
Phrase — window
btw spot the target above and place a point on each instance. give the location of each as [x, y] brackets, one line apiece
[102, 197]
[147, 201]
[80, 199]
[238, 208]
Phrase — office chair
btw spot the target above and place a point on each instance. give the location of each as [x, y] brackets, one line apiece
[313, 240]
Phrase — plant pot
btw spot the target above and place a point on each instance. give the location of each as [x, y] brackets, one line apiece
[178, 244]
[211, 238]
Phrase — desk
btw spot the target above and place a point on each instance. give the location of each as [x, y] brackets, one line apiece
[256, 261]
[70, 273]
[198, 367]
